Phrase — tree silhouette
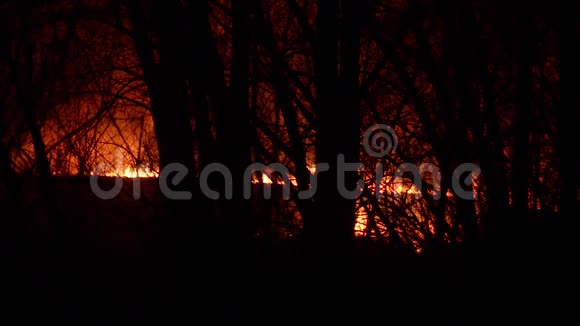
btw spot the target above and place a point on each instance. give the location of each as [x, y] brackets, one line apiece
[139, 85]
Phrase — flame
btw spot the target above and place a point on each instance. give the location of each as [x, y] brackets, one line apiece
[266, 179]
[360, 226]
[312, 169]
[129, 172]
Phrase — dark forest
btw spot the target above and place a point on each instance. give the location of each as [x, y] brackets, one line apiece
[274, 161]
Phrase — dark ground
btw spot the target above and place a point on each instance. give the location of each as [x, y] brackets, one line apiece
[108, 275]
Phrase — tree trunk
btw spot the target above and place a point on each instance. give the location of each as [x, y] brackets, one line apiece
[329, 231]
[183, 227]
[234, 129]
[520, 169]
